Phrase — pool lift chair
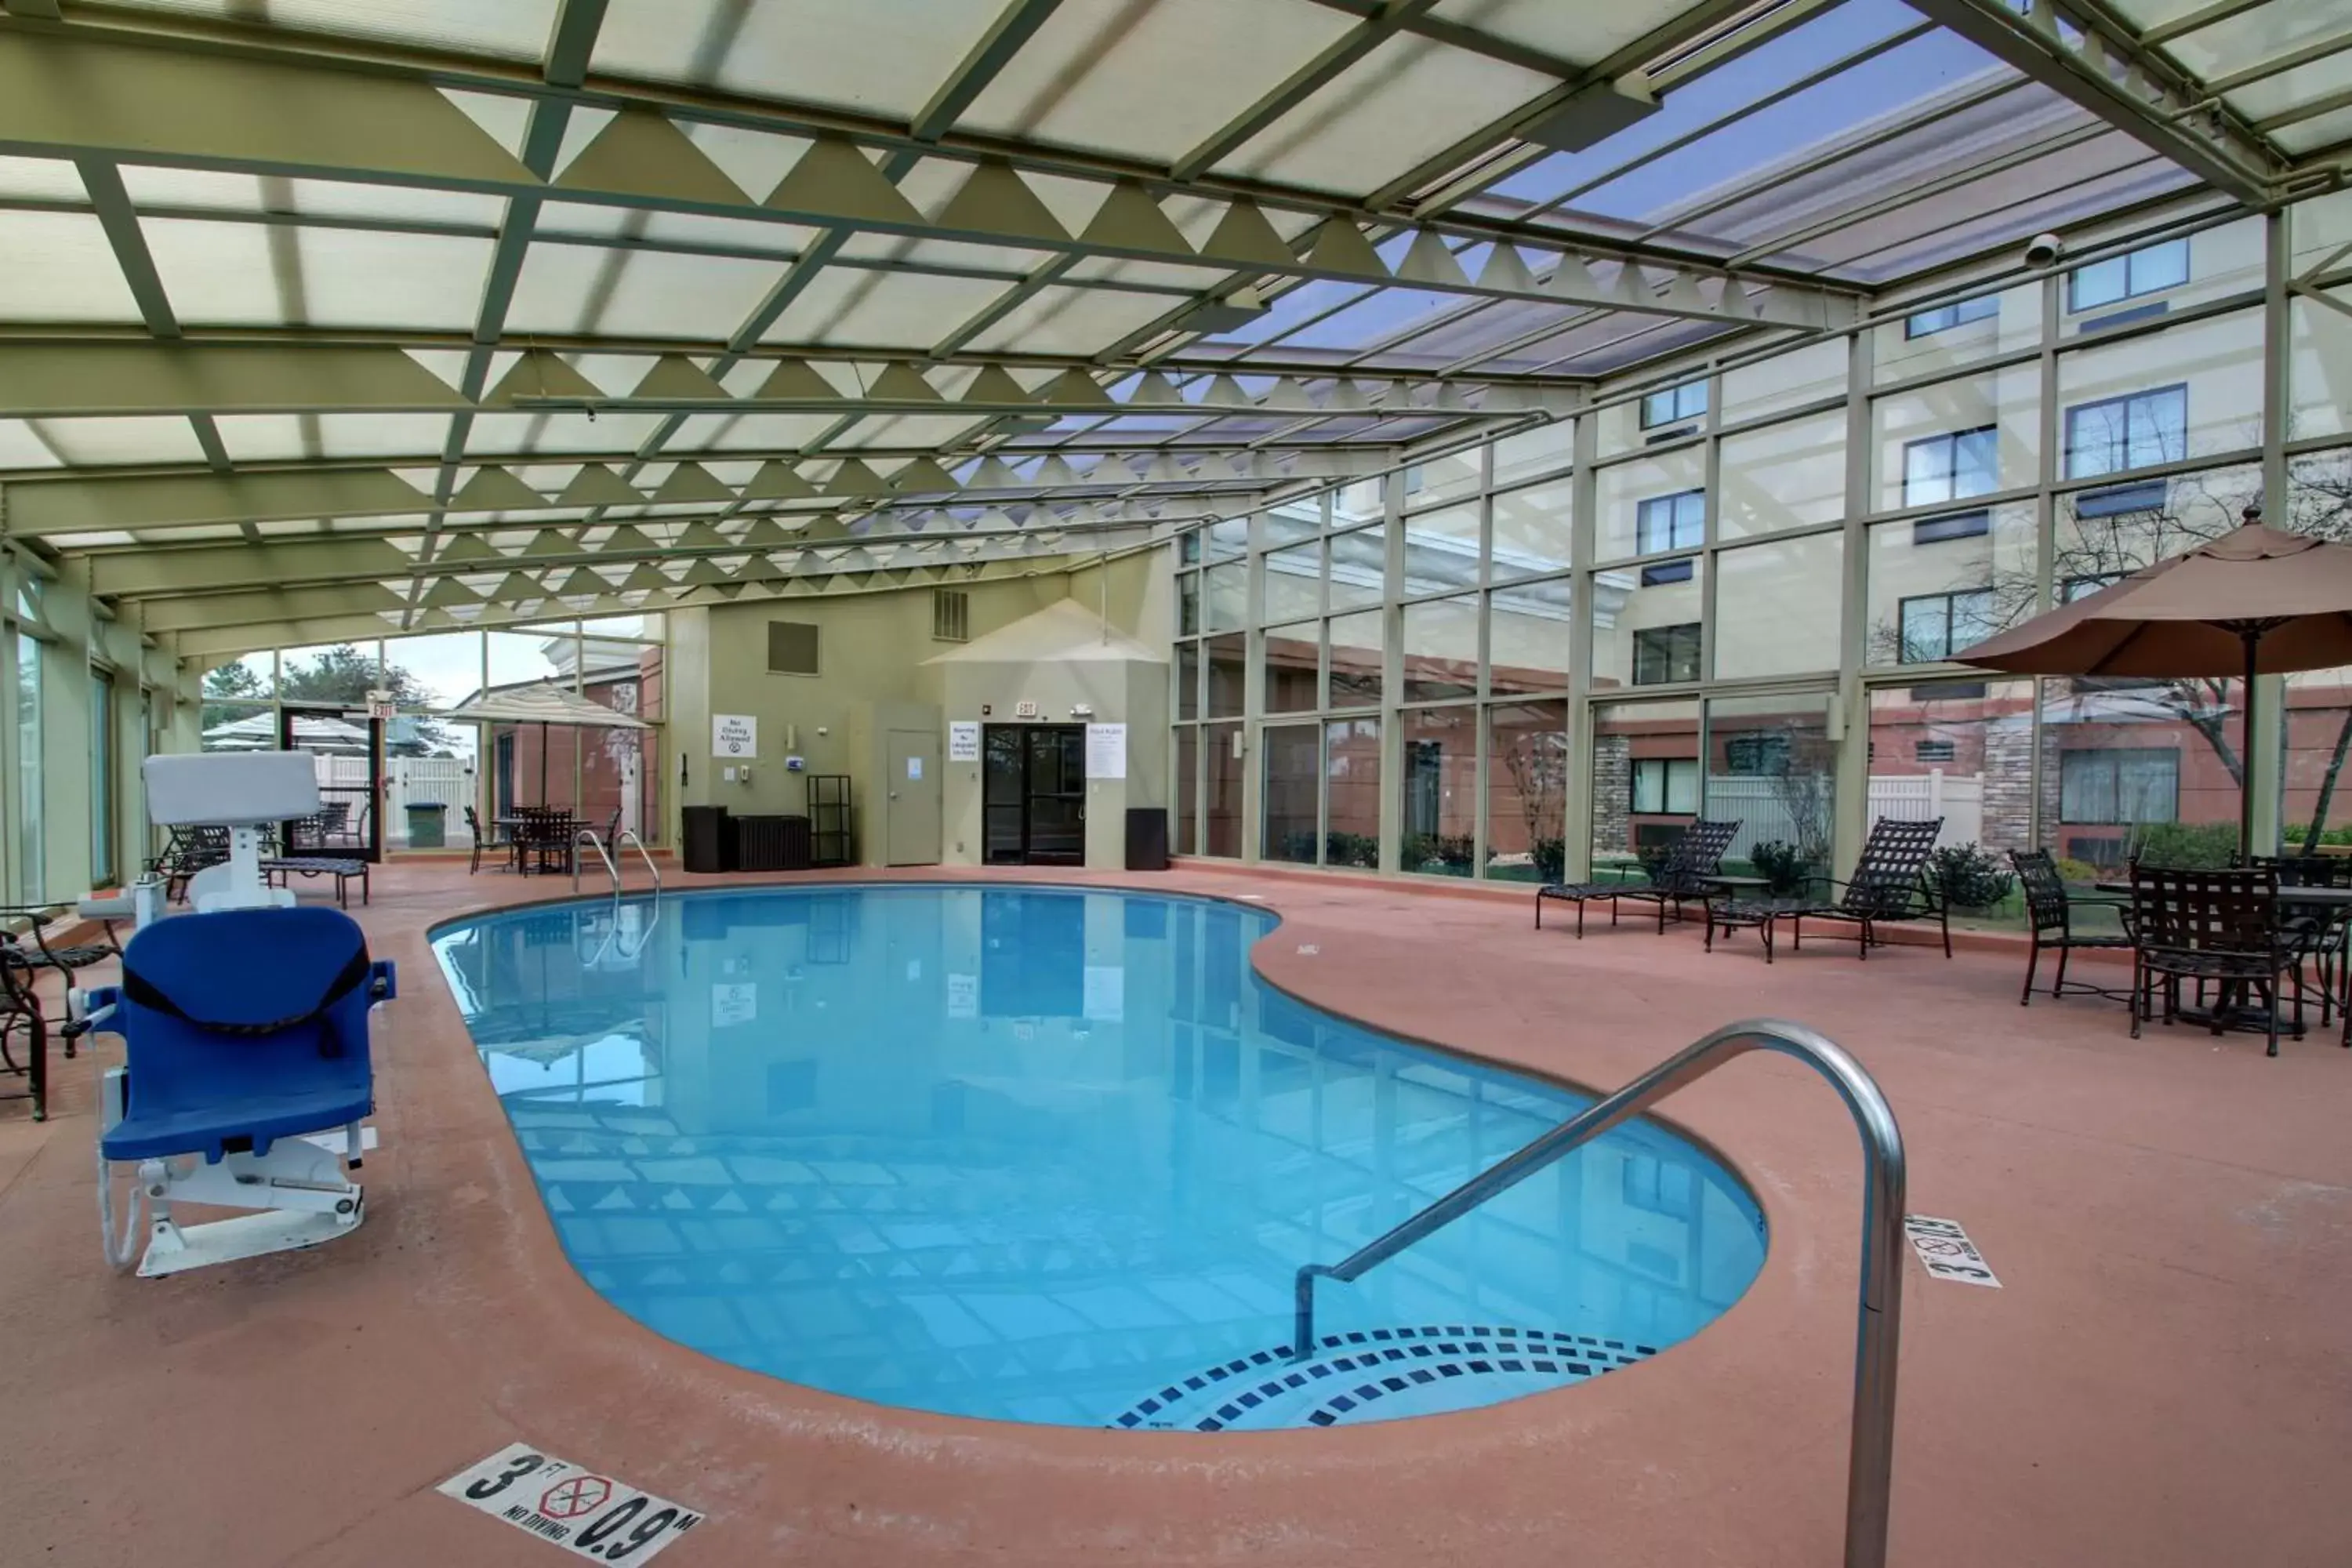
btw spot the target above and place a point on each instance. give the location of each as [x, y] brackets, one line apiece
[246, 1076]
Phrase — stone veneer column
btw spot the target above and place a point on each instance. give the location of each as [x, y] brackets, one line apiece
[1612, 792]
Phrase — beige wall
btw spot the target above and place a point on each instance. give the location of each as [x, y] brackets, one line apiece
[872, 651]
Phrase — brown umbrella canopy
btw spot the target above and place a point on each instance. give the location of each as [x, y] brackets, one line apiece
[2194, 615]
[2253, 602]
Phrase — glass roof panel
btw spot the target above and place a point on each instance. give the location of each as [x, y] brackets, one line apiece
[60, 268]
[1351, 135]
[21, 447]
[512, 30]
[1150, 81]
[890, 61]
[497, 433]
[639, 293]
[2291, 89]
[904, 311]
[43, 179]
[1586, 34]
[748, 432]
[1888, 87]
[2316, 134]
[247, 275]
[1898, 248]
[1885, 167]
[1073, 320]
[1796, 54]
[159, 188]
[147, 438]
[2258, 37]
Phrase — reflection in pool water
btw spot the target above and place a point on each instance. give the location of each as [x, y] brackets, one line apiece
[1046, 1155]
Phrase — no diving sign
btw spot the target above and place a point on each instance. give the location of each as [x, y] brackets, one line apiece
[587, 1514]
[1945, 1251]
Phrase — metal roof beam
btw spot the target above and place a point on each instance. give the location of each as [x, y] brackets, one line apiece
[2100, 63]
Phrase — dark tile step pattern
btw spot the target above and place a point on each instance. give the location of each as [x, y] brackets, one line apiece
[1353, 1370]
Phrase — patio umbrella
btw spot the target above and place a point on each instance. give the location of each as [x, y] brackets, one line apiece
[2256, 601]
[544, 703]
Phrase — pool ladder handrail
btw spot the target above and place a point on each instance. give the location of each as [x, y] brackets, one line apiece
[1871, 1456]
[590, 837]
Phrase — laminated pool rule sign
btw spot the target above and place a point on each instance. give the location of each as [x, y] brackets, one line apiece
[1945, 1251]
[587, 1514]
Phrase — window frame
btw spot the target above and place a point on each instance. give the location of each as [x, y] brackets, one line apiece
[1672, 502]
[2130, 263]
[1947, 444]
[1674, 412]
[1951, 598]
[2128, 403]
[2072, 757]
[1666, 775]
[1959, 313]
[1684, 634]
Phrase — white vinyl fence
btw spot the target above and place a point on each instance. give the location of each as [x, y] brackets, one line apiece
[444, 781]
[1767, 809]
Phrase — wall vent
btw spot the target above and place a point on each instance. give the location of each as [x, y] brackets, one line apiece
[792, 648]
[951, 615]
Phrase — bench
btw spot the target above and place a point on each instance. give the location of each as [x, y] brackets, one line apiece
[279, 870]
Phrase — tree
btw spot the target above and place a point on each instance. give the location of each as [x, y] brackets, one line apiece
[340, 676]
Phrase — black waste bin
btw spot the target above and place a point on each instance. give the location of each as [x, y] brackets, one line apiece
[709, 839]
[1147, 839]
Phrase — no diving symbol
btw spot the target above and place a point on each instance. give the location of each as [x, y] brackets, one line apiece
[1940, 1248]
[570, 1498]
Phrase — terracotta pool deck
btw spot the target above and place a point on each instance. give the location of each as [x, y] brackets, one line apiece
[2165, 1378]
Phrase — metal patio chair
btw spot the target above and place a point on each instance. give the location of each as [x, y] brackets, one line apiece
[2050, 912]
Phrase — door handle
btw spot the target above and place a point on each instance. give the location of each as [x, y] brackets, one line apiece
[893, 794]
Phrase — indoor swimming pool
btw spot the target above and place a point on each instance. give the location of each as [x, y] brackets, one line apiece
[1051, 1155]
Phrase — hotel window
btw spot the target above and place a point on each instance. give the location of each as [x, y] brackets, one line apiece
[1665, 787]
[2150, 269]
[1952, 467]
[1665, 654]
[2117, 435]
[1944, 318]
[1936, 626]
[1675, 405]
[1670, 522]
[2117, 786]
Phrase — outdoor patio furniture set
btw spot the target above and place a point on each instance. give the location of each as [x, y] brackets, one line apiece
[1890, 886]
[2257, 942]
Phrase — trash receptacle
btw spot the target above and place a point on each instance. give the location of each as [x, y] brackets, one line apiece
[710, 839]
[427, 824]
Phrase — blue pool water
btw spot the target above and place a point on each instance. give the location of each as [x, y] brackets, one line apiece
[1054, 1156]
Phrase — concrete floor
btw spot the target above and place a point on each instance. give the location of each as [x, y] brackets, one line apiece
[2165, 1377]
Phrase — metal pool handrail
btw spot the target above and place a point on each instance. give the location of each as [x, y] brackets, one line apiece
[588, 836]
[1870, 1462]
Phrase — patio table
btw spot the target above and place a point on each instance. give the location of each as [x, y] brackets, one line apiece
[1741, 905]
[2246, 1015]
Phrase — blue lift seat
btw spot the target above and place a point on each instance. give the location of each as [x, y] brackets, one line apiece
[241, 1027]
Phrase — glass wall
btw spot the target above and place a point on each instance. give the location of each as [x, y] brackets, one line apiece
[1705, 589]
[475, 771]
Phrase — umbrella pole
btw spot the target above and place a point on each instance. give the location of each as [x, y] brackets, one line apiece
[2252, 637]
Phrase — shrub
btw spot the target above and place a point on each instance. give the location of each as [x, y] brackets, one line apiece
[2077, 873]
[2188, 846]
[1970, 877]
[1351, 849]
[1783, 865]
[1428, 852]
[1551, 858]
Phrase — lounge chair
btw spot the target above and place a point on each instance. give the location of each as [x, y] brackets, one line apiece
[1890, 885]
[1678, 875]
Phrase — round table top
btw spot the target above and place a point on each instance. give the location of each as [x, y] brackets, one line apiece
[1738, 881]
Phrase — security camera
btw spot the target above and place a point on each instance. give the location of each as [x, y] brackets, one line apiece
[2043, 250]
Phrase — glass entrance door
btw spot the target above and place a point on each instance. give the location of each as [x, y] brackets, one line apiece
[346, 750]
[1032, 794]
